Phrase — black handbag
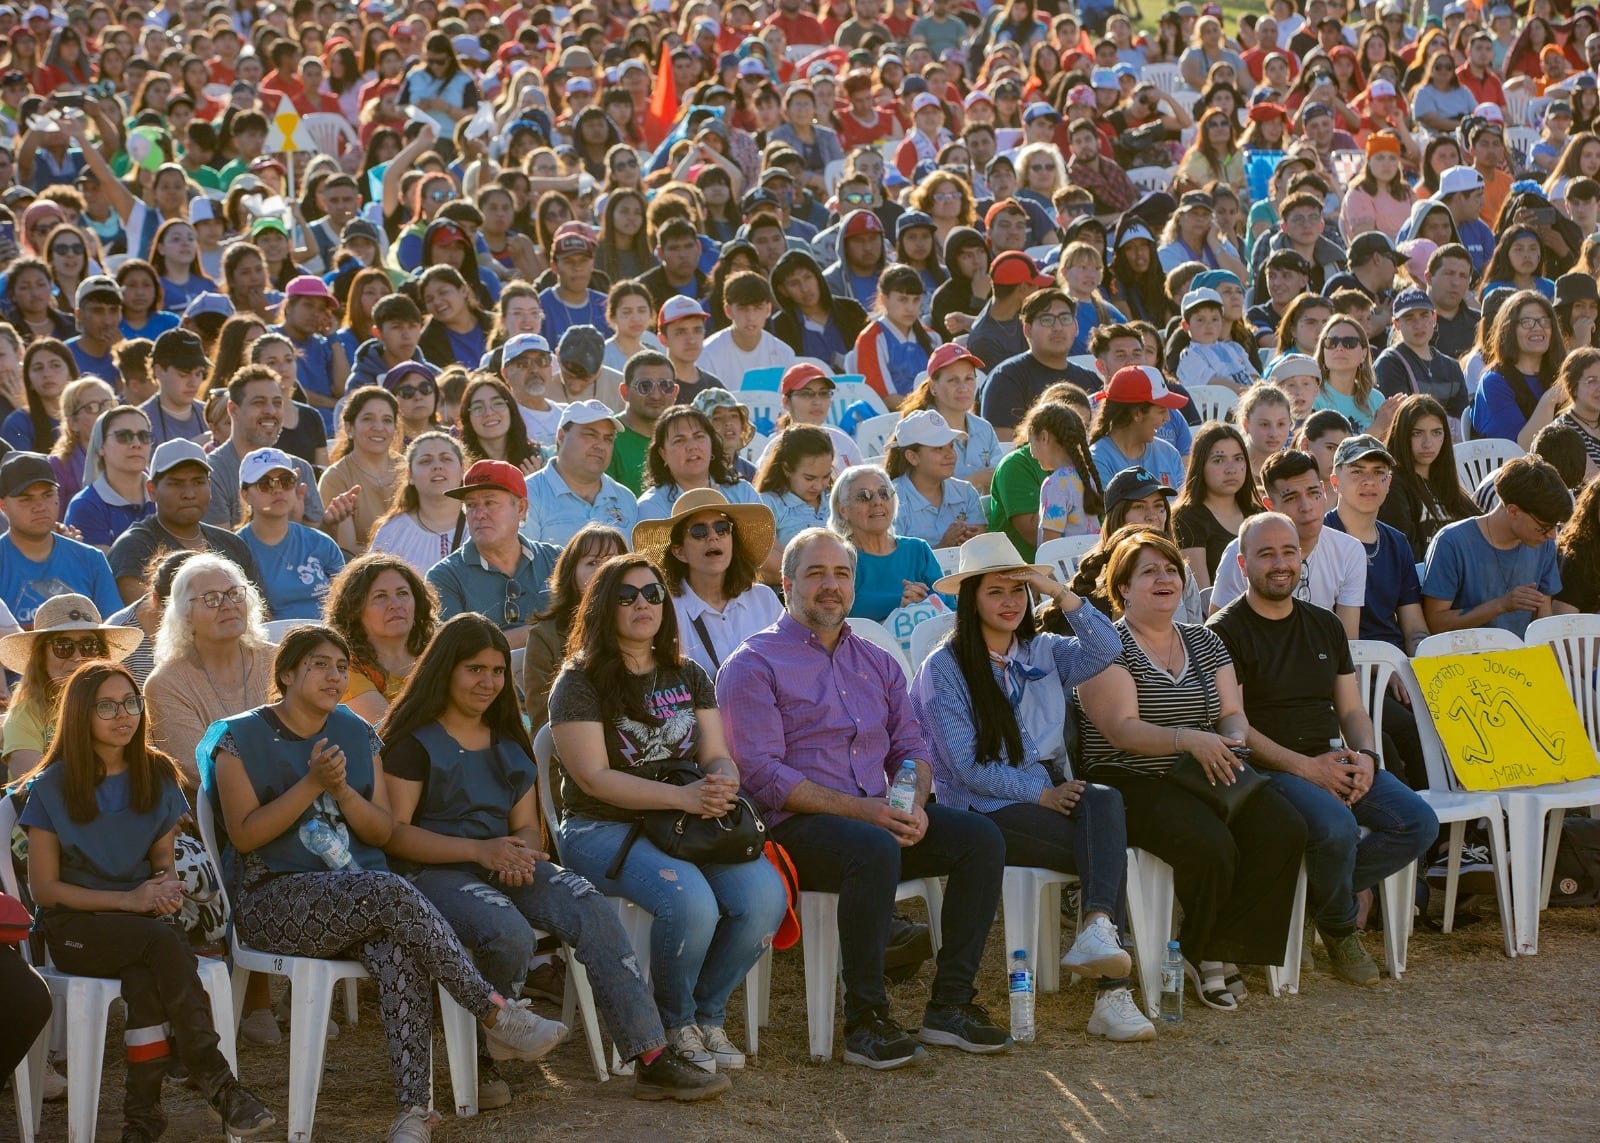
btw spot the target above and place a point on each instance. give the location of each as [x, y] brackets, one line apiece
[737, 836]
[1190, 776]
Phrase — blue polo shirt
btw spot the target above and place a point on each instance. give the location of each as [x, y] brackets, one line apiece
[916, 516]
[555, 512]
[104, 367]
[70, 568]
[656, 504]
[465, 581]
[102, 515]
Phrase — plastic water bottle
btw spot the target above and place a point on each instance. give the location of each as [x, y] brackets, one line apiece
[1172, 984]
[1021, 998]
[324, 841]
[903, 794]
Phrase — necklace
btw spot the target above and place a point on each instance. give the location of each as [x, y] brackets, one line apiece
[1174, 645]
[244, 684]
[382, 480]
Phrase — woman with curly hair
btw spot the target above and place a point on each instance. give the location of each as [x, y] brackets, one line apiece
[386, 612]
[1578, 547]
[947, 200]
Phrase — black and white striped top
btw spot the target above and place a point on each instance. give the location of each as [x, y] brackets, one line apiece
[1186, 701]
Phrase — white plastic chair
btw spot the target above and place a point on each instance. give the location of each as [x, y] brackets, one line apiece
[1151, 178]
[949, 561]
[1517, 103]
[849, 389]
[311, 984]
[1083, 361]
[83, 1004]
[332, 133]
[1150, 900]
[926, 635]
[1163, 75]
[278, 629]
[757, 446]
[1476, 459]
[1040, 254]
[1213, 402]
[878, 635]
[1064, 553]
[1520, 141]
[765, 409]
[1030, 899]
[873, 433]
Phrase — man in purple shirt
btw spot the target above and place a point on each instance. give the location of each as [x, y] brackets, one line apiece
[819, 721]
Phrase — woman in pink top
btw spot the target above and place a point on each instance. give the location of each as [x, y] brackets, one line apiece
[1379, 197]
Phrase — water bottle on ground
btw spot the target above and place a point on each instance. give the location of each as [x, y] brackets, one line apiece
[324, 841]
[1172, 984]
[903, 794]
[1021, 998]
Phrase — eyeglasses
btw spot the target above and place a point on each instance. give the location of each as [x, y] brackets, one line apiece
[131, 436]
[1538, 525]
[478, 408]
[644, 387]
[89, 647]
[1040, 168]
[408, 392]
[1304, 218]
[1533, 323]
[438, 61]
[1351, 342]
[105, 710]
[68, 248]
[441, 195]
[625, 165]
[654, 594]
[1052, 320]
[513, 610]
[883, 494]
[234, 596]
[275, 481]
[95, 407]
[947, 196]
[704, 531]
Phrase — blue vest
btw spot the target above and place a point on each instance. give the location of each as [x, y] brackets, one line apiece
[274, 764]
[112, 852]
[470, 793]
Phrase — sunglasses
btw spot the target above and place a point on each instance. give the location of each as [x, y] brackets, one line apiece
[131, 436]
[882, 494]
[513, 611]
[704, 531]
[1341, 342]
[861, 198]
[275, 482]
[89, 647]
[408, 392]
[215, 599]
[68, 248]
[644, 387]
[106, 710]
[654, 594]
[441, 195]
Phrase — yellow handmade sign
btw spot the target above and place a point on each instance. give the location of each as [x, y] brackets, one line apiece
[1506, 718]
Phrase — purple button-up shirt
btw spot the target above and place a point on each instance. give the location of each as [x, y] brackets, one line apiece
[794, 713]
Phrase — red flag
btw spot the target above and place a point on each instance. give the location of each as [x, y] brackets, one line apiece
[663, 109]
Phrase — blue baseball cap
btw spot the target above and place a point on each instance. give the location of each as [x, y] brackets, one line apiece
[1037, 111]
[910, 220]
[1103, 77]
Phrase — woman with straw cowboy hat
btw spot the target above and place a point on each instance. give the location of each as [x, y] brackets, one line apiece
[67, 632]
[992, 700]
[710, 554]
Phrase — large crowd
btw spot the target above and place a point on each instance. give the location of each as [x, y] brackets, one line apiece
[387, 388]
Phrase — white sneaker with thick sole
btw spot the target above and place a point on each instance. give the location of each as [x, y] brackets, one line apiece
[691, 1045]
[1117, 1018]
[518, 1034]
[722, 1049]
[260, 1028]
[414, 1125]
[1098, 951]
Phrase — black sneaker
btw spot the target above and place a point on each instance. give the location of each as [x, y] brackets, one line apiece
[670, 1076]
[242, 1113]
[879, 1043]
[1477, 871]
[967, 1027]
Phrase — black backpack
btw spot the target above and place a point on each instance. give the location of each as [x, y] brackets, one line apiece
[1577, 875]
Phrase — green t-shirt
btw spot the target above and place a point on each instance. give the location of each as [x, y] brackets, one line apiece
[627, 459]
[1015, 492]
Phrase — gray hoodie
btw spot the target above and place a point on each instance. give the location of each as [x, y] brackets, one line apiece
[369, 367]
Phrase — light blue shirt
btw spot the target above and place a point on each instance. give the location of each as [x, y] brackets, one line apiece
[979, 449]
[1465, 570]
[793, 515]
[555, 512]
[296, 570]
[1160, 459]
[916, 516]
[656, 503]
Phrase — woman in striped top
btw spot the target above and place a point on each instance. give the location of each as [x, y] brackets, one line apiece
[1173, 691]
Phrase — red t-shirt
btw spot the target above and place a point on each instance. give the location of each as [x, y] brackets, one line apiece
[854, 133]
[800, 29]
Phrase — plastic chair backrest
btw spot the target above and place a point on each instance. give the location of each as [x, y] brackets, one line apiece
[1476, 459]
[1376, 663]
[1041, 253]
[878, 635]
[276, 629]
[1150, 178]
[328, 131]
[1213, 402]
[1575, 639]
[949, 559]
[1441, 776]
[1163, 75]
[206, 819]
[1064, 552]
[758, 445]
[759, 380]
[8, 822]
[873, 433]
[544, 754]
[848, 389]
[926, 635]
[765, 409]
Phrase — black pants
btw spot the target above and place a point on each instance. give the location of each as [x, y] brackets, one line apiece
[1403, 746]
[27, 1007]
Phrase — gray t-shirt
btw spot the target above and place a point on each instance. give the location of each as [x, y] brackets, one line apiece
[226, 510]
[135, 548]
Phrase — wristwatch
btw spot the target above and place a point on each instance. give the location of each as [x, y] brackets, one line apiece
[1376, 761]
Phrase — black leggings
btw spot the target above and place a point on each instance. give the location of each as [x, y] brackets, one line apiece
[27, 1007]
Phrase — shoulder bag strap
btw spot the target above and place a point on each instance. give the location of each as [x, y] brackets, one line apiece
[1207, 683]
[699, 624]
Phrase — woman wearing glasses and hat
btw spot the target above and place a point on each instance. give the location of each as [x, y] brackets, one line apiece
[67, 631]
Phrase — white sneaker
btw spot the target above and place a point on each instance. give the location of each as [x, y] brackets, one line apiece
[1117, 1018]
[52, 1082]
[518, 1034]
[260, 1028]
[1098, 952]
[726, 1053]
[414, 1125]
[691, 1046]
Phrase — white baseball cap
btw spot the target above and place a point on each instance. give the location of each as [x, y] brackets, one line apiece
[262, 461]
[926, 99]
[1458, 179]
[924, 427]
[590, 412]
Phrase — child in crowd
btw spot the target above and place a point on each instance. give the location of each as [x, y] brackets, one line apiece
[1207, 359]
[794, 478]
[1071, 500]
[892, 351]
[1297, 377]
[397, 328]
[1082, 271]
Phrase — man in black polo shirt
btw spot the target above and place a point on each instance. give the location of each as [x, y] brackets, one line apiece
[1050, 324]
[1312, 737]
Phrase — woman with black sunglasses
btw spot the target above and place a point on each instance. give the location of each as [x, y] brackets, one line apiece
[114, 496]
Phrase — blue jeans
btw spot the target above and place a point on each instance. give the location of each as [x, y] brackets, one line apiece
[1091, 841]
[712, 922]
[496, 923]
[863, 863]
[1339, 861]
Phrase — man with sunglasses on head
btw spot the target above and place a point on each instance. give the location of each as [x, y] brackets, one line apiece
[573, 489]
[35, 561]
[498, 573]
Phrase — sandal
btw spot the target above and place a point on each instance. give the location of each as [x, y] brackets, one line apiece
[1209, 985]
[1233, 980]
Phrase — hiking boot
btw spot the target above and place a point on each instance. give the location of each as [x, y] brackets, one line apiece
[691, 1045]
[520, 1035]
[493, 1091]
[242, 1113]
[548, 982]
[910, 943]
[724, 1050]
[967, 1027]
[879, 1043]
[260, 1028]
[1118, 1019]
[670, 1076]
[1477, 871]
[1350, 961]
[1098, 952]
[414, 1125]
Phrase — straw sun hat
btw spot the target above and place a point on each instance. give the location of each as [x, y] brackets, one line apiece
[753, 525]
[61, 615]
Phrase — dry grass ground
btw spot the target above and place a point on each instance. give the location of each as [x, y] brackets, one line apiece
[1470, 1045]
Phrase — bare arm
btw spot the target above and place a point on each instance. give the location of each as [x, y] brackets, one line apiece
[252, 825]
[394, 173]
[1413, 627]
[1350, 615]
[582, 749]
[162, 894]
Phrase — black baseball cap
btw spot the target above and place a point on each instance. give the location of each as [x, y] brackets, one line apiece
[1287, 259]
[20, 471]
[179, 349]
[1134, 484]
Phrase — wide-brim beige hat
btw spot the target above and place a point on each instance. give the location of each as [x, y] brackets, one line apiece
[753, 525]
[989, 552]
[66, 613]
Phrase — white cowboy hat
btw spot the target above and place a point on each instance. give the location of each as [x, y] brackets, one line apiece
[989, 552]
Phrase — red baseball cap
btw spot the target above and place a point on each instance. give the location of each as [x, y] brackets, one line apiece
[492, 474]
[861, 222]
[1135, 385]
[800, 375]
[1014, 268]
[998, 208]
[948, 354]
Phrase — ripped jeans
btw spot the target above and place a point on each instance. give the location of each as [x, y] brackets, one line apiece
[495, 924]
[712, 923]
